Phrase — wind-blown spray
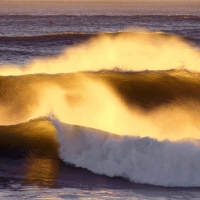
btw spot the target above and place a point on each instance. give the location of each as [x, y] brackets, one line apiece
[96, 128]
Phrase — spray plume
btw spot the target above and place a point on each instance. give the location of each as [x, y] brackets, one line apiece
[71, 101]
[128, 51]
[88, 102]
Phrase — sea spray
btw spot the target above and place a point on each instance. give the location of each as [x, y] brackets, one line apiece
[83, 100]
[141, 160]
[127, 51]
[143, 145]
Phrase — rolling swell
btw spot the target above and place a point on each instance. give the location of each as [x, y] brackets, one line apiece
[28, 47]
[142, 125]
[36, 137]
[139, 159]
[147, 89]
[71, 37]
[63, 35]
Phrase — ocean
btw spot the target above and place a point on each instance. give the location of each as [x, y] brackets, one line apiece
[99, 100]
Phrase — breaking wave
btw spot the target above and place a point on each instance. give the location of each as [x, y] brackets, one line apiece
[121, 105]
[141, 160]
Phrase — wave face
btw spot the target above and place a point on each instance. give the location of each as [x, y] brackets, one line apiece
[141, 160]
[157, 143]
[36, 138]
[124, 104]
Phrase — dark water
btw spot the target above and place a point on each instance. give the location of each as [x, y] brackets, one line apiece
[34, 158]
[27, 37]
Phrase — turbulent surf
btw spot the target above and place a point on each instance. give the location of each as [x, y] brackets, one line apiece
[125, 112]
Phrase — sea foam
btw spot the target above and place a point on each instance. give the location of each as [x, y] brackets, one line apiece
[141, 160]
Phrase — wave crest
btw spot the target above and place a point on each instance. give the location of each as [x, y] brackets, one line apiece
[141, 160]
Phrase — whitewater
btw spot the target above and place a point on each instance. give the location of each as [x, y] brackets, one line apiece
[99, 102]
[96, 129]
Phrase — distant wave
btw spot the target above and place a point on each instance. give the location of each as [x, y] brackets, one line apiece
[72, 37]
[189, 16]
[75, 34]
[62, 34]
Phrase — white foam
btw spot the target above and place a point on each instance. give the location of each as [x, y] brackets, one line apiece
[141, 160]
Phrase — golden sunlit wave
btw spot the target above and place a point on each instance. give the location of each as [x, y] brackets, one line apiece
[124, 104]
[84, 101]
[136, 51]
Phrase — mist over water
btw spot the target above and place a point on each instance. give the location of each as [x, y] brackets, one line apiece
[144, 134]
[56, 33]
[127, 51]
[99, 100]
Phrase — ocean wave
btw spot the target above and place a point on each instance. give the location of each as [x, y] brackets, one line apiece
[138, 94]
[88, 34]
[66, 34]
[108, 14]
[136, 51]
[36, 137]
[141, 160]
[158, 146]
[60, 34]
[148, 90]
